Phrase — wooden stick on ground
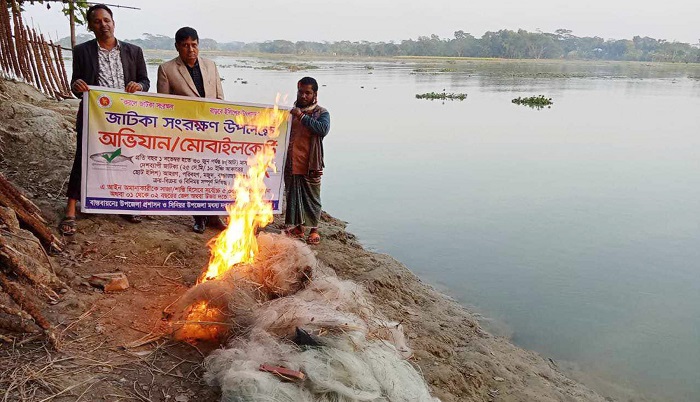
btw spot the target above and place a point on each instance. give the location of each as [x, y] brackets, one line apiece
[27, 213]
[11, 257]
[19, 297]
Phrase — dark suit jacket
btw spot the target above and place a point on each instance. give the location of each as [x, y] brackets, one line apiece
[85, 65]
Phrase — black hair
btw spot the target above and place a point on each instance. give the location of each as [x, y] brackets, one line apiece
[184, 33]
[309, 81]
[96, 7]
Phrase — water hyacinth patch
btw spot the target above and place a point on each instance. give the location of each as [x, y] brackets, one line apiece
[441, 96]
[535, 102]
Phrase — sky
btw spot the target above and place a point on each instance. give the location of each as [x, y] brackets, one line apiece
[387, 20]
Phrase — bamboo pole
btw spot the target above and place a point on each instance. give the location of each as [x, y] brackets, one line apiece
[19, 297]
[51, 52]
[19, 42]
[28, 214]
[3, 51]
[31, 78]
[16, 320]
[61, 70]
[36, 63]
[13, 259]
[40, 64]
[4, 61]
[28, 55]
[9, 45]
[3, 40]
[50, 67]
[71, 16]
[13, 49]
[32, 62]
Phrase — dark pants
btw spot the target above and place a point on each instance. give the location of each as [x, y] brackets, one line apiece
[73, 190]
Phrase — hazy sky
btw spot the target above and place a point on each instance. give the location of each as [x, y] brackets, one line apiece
[385, 20]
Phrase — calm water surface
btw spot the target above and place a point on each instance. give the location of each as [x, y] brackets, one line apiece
[576, 226]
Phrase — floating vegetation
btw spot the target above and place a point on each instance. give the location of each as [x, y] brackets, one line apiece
[220, 66]
[154, 61]
[368, 67]
[441, 96]
[535, 102]
[288, 66]
[432, 70]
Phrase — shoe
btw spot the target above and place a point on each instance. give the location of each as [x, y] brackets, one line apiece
[314, 238]
[200, 224]
[132, 218]
[217, 222]
[295, 232]
[68, 226]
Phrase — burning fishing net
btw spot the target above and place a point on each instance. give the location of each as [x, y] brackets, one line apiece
[348, 352]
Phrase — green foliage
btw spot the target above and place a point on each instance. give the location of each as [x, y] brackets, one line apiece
[535, 102]
[441, 96]
[288, 67]
[520, 44]
[80, 7]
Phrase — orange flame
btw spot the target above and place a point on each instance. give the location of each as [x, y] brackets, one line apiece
[251, 209]
[202, 323]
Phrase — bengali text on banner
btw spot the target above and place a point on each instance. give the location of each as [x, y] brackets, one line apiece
[170, 155]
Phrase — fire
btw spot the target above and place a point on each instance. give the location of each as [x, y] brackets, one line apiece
[250, 210]
[201, 323]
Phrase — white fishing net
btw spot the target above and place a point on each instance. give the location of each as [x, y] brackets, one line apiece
[285, 310]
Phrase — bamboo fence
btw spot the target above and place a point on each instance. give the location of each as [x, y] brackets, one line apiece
[25, 55]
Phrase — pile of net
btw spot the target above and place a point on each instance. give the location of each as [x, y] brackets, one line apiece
[287, 310]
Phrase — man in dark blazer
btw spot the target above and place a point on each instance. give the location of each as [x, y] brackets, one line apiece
[106, 62]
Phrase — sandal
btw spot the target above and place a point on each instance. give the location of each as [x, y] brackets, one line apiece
[314, 238]
[68, 226]
[294, 232]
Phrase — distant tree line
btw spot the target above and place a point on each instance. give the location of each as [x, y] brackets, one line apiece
[505, 43]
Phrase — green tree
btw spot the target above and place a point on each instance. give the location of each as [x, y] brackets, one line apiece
[463, 45]
[75, 10]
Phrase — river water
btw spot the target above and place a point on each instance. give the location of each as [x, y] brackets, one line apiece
[575, 229]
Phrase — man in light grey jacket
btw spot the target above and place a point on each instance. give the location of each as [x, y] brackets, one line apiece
[188, 74]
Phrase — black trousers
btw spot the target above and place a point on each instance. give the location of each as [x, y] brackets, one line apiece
[73, 190]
